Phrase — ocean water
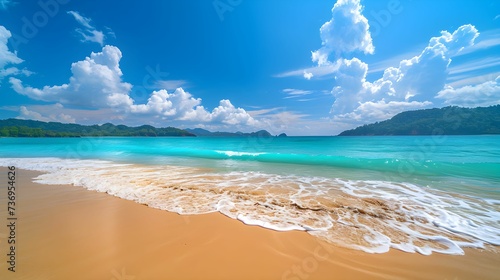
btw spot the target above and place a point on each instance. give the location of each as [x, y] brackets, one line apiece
[420, 194]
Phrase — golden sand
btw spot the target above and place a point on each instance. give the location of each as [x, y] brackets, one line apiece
[67, 232]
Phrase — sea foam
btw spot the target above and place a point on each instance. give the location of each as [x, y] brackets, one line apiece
[372, 216]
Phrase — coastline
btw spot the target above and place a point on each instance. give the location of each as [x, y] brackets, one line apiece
[68, 232]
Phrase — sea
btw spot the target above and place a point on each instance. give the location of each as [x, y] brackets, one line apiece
[418, 194]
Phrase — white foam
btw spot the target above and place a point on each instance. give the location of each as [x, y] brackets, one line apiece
[273, 226]
[372, 216]
[238, 154]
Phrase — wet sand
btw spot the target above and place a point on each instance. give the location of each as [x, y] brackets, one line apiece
[67, 232]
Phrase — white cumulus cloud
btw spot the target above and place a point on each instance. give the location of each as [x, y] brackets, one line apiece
[372, 111]
[485, 94]
[8, 58]
[228, 114]
[308, 75]
[96, 83]
[26, 114]
[181, 105]
[346, 32]
[412, 85]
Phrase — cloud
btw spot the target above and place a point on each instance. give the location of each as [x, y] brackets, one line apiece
[53, 112]
[406, 84]
[413, 84]
[347, 32]
[393, 61]
[228, 114]
[485, 94]
[278, 120]
[181, 105]
[170, 84]
[475, 65]
[296, 92]
[318, 71]
[26, 114]
[372, 111]
[308, 75]
[455, 42]
[95, 83]
[466, 79]
[110, 32]
[487, 39]
[352, 87]
[85, 22]
[8, 58]
[89, 32]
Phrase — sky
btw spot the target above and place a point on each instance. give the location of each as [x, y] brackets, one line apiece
[300, 67]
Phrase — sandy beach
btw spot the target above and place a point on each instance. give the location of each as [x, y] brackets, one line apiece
[67, 232]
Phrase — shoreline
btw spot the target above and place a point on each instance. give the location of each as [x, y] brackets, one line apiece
[68, 232]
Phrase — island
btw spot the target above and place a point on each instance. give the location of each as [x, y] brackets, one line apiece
[450, 120]
[205, 133]
[31, 128]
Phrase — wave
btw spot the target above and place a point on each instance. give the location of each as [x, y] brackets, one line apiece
[234, 154]
[372, 216]
[403, 166]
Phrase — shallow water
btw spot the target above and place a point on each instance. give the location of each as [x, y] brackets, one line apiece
[417, 194]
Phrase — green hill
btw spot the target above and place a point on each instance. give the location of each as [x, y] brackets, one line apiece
[205, 133]
[448, 120]
[30, 128]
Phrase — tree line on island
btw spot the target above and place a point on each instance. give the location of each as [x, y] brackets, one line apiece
[205, 133]
[31, 128]
[450, 120]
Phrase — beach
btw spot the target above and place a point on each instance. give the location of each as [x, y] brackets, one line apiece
[67, 232]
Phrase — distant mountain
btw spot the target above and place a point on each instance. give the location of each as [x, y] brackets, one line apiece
[205, 133]
[198, 131]
[30, 128]
[448, 120]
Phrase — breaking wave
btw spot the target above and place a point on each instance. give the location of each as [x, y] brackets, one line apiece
[372, 216]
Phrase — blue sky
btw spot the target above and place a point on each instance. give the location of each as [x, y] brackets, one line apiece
[300, 67]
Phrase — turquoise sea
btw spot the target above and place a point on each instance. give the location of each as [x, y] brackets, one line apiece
[413, 193]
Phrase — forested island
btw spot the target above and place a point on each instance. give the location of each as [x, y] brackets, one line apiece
[205, 133]
[30, 128]
[450, 120]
